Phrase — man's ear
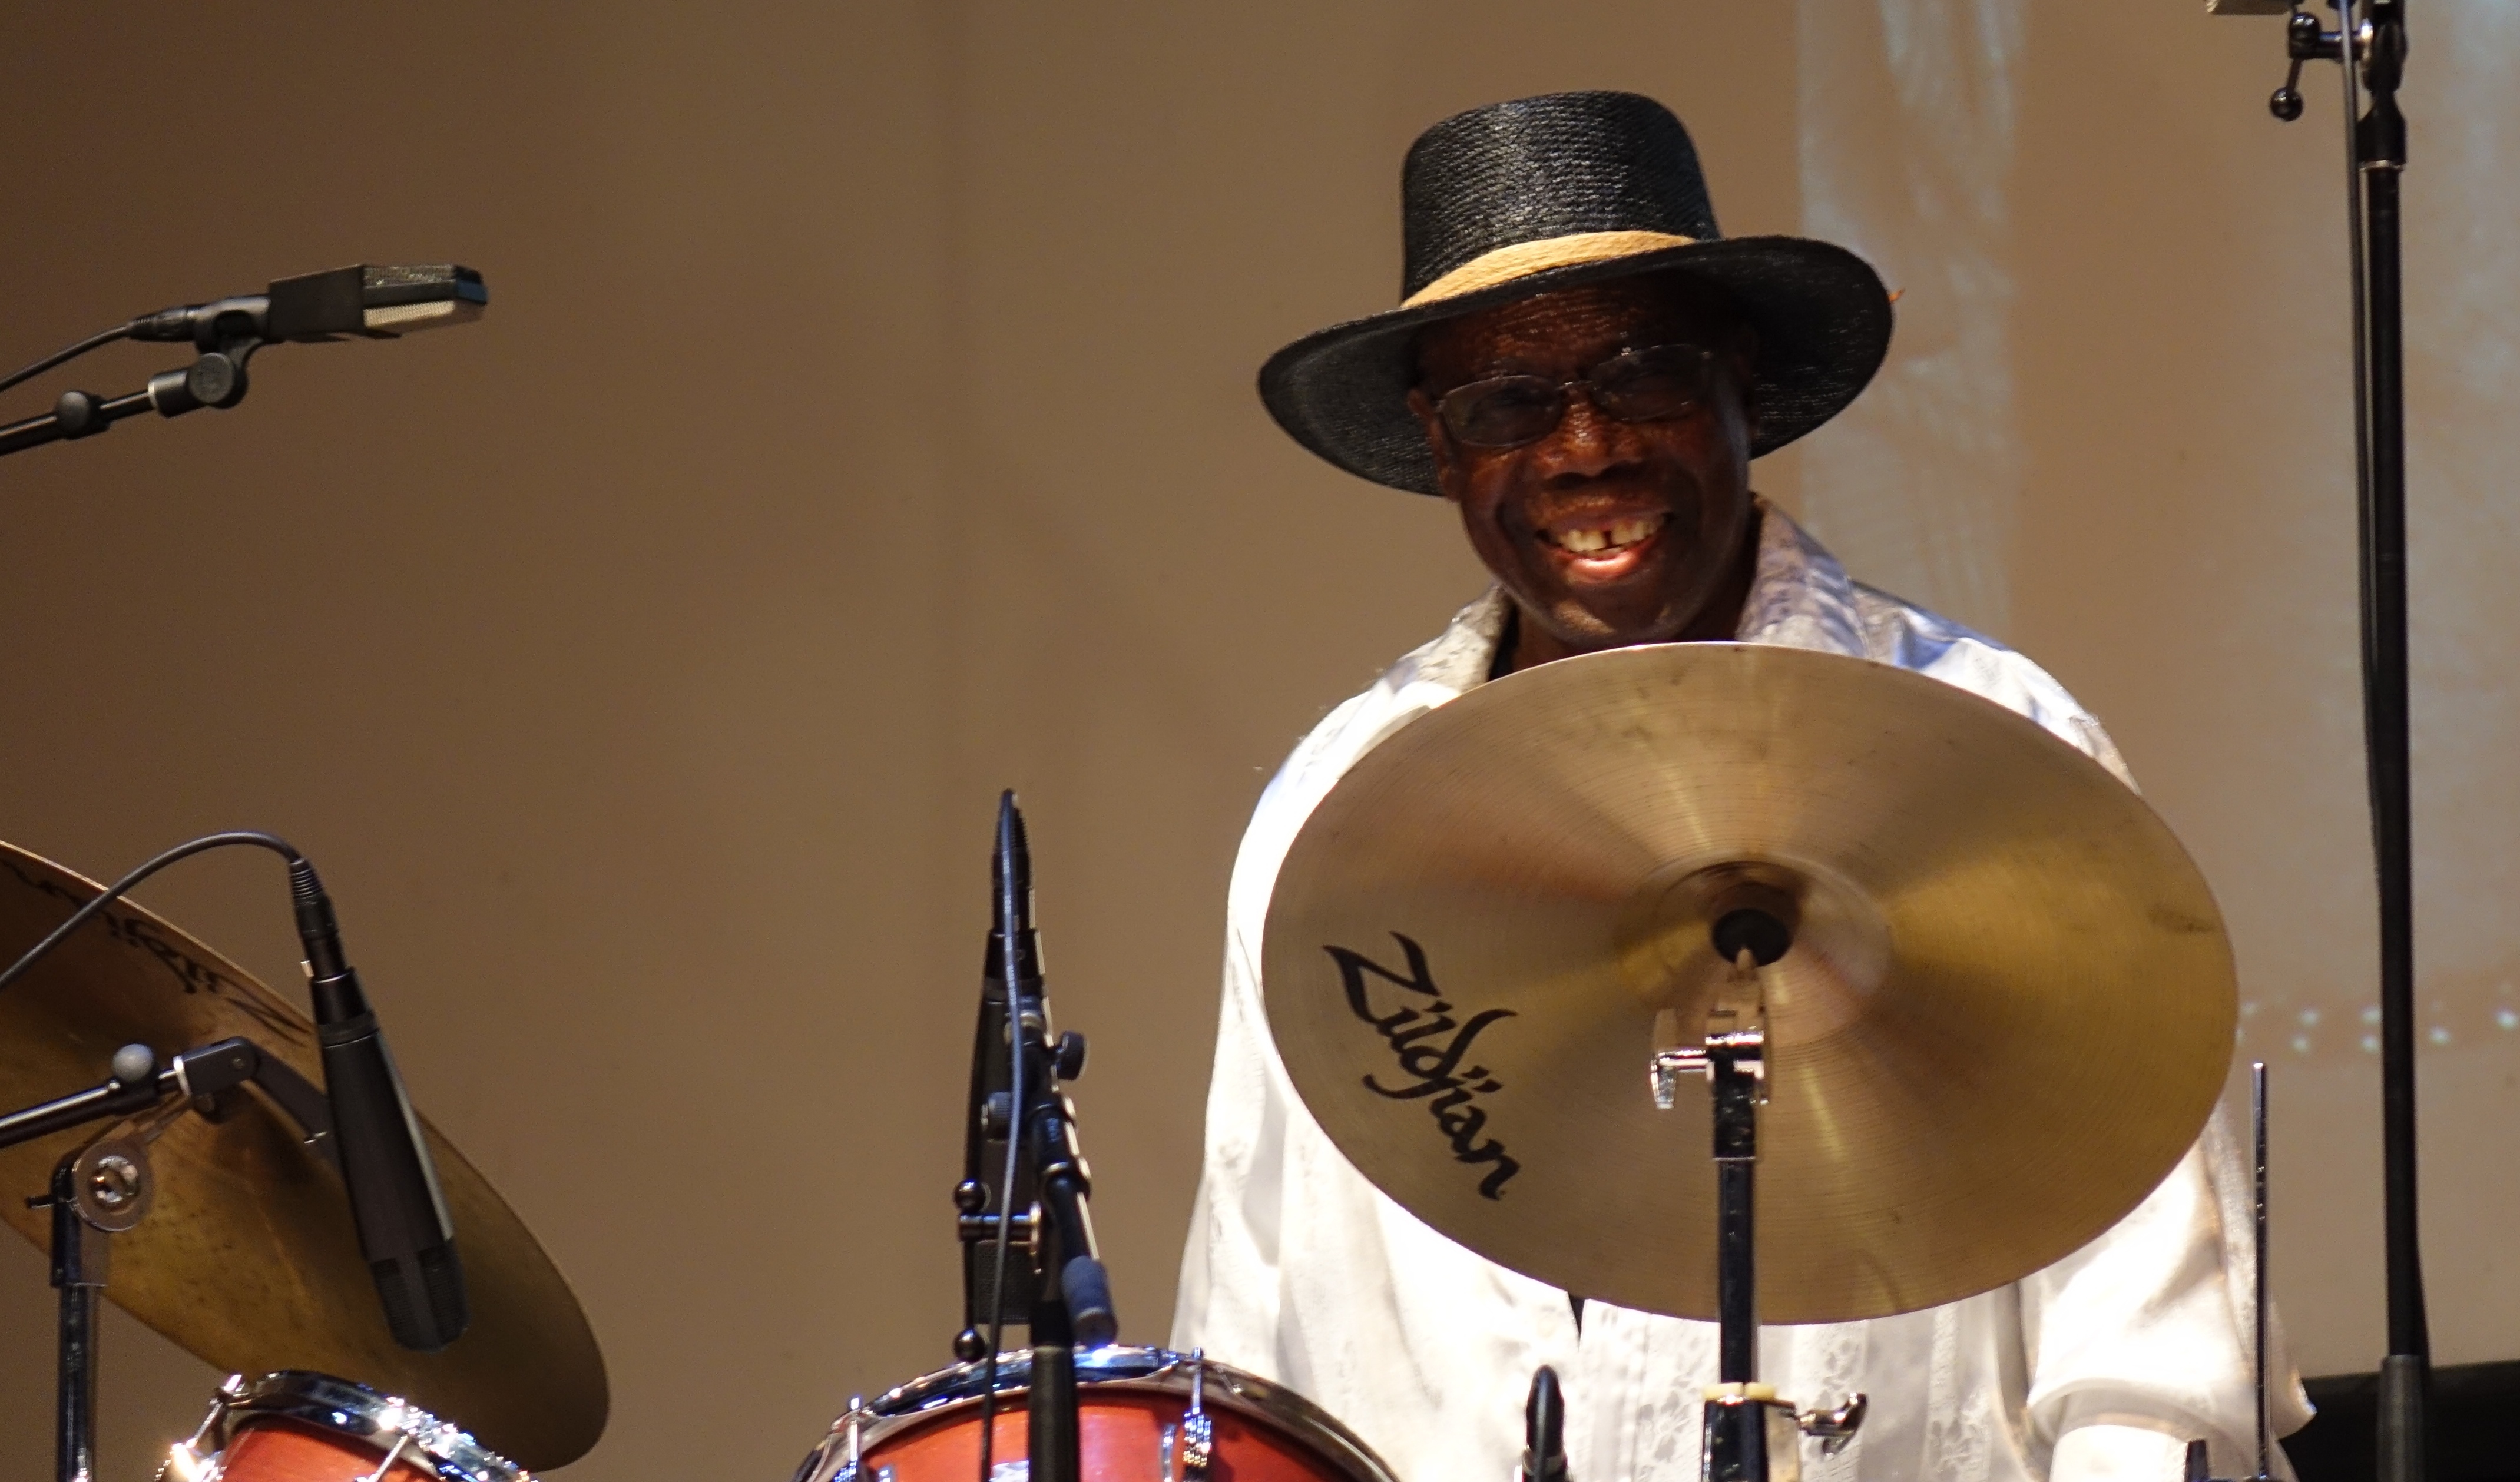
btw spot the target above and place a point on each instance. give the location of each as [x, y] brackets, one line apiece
[1437, 443]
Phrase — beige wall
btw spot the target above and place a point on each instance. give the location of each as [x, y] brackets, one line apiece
[864, 423]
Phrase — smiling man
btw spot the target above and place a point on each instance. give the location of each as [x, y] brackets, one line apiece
[1595, 440]
[1585, 368]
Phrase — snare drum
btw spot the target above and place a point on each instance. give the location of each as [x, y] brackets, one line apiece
[296, 1426]
[1143, 1414]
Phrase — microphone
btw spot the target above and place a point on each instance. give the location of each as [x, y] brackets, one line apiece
[1010, 902]
[378, 304]
[403, 1229]
[990, 1123]
[314, 309]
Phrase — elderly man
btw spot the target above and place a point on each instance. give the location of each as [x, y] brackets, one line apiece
[1583, 366]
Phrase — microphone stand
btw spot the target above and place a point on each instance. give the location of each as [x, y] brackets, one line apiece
[2371, 41]
[215, 380]
[105, 1185]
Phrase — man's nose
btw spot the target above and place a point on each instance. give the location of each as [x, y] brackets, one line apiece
[1585, 443]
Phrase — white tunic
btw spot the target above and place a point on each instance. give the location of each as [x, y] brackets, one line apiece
[2099, 1367]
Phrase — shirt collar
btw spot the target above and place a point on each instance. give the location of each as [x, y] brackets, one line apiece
[1800, 598]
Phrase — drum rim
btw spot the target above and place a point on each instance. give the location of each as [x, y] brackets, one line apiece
[1130, 1368]
[323, 1400]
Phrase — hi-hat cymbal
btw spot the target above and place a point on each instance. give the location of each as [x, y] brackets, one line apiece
[2005, 1014]
[248, 1258]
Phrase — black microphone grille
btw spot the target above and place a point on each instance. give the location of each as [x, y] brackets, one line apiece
[424, 1296]
[425, 282]
[1013, 845]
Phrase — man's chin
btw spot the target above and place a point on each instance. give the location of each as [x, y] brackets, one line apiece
[1586, 628]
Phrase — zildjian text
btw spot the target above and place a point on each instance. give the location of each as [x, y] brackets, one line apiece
[1432, 1062]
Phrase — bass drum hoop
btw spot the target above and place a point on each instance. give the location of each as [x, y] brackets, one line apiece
[918, 1404]
[344, 1408]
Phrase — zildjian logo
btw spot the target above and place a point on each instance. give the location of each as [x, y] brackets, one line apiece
[1433, 1063]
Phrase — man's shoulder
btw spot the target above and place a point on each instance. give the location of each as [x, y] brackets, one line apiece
[1443, 667]
[1896, 631]
[1426, 676]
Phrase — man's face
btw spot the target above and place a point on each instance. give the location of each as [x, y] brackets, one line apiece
[1606, 532]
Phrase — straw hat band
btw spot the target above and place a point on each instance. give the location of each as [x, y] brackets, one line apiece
[1523, 258]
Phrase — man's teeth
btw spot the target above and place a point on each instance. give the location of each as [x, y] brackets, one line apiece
[1609, 537]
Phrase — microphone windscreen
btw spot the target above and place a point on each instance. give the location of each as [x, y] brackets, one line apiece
[1086, 1287]
[423, 1297]
[404, 300]
[396, 320]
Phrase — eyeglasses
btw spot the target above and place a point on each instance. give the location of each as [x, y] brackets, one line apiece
[1649, 385]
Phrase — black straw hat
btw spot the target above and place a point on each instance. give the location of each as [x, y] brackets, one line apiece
[1540, 194]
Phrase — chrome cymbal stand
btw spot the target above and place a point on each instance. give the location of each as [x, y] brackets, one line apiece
[1750, 1434]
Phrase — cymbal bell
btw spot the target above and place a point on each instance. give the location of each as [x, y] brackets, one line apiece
[248, 1258]
[2006, 1013]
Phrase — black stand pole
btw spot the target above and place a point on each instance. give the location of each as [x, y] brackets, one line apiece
[2371, 41]
[78, 1251]
[1750, 1434]
[1738, 1421]
[81, 1228]
[2379, 152]
[1052, 1450]
[1743, 1421]
[1074, 1305]
[1736, 1260]
[216, 379]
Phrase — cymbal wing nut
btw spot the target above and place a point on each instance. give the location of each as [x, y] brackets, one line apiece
[1663, 1075]
[1834, 1429]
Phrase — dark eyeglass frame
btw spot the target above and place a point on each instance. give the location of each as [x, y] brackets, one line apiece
[1458, 407]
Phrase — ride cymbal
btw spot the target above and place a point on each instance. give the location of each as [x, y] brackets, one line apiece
[248, 1258]
[2005, 1014]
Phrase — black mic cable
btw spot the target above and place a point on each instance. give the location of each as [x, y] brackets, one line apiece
[64, 357]
[123, 886]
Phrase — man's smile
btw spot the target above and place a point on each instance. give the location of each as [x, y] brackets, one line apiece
[1601, 545]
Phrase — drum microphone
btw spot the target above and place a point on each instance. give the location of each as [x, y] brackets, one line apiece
[403, 1230]
[378, 302]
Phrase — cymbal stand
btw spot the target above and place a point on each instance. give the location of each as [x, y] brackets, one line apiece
[2199, 1466]
[105, 1187]
[2371, 43]
[1750, 1434]
[2258, 1243]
